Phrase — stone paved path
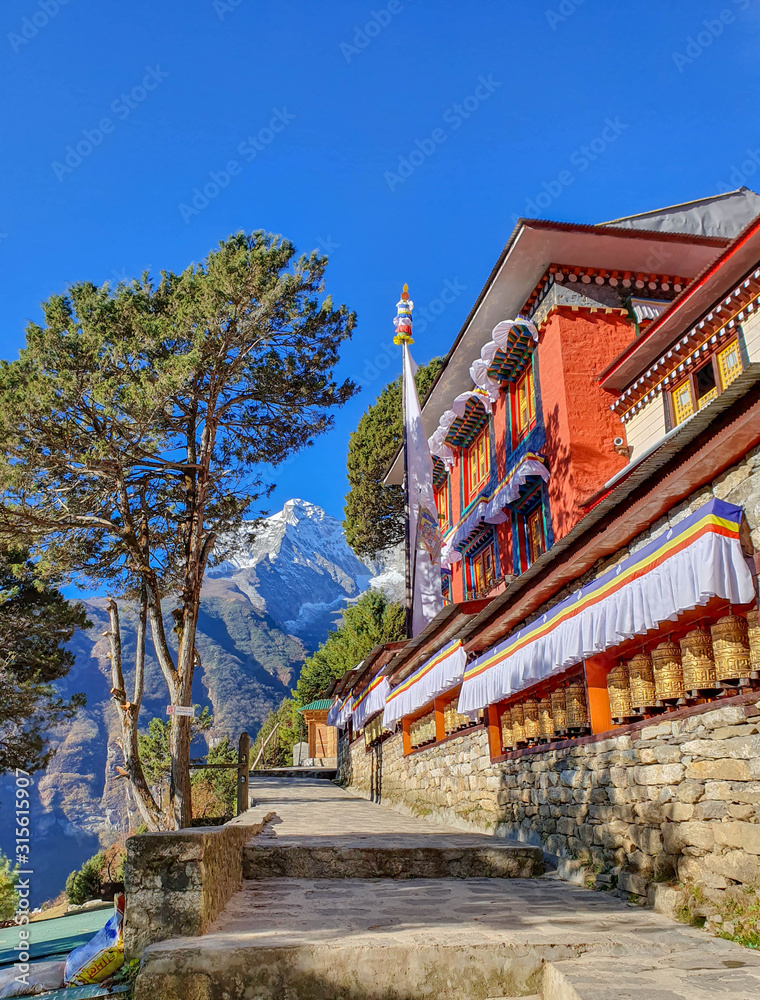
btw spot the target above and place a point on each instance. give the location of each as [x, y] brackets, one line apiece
[375, 938]
[319, 813]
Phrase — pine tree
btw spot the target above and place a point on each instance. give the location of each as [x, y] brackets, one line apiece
[36, 622]
[135, 427]
[374, 514]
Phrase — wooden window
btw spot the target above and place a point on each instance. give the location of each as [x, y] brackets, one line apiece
[477, 463]
[536, 537]
[705, 383]
[729, 364]
[683, 406]
[443, 505]
[446, 588]
[531, 528]
[483, 569]
[525, 403]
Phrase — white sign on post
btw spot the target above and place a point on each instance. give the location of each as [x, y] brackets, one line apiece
[187, 710]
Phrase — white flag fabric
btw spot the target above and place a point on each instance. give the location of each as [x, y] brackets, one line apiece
[424, 530]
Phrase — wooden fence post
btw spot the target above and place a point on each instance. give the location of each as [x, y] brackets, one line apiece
[244, 749]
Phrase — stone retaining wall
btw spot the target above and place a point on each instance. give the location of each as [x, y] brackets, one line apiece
[671, 798]
[675, 797]
[177, 883]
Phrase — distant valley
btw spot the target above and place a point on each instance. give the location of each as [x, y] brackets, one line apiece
[263, 610]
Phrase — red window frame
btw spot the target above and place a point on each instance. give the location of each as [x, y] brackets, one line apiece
[524, 410]
[443, 504]
[477, 463]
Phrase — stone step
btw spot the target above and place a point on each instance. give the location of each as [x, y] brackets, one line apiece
[370, 859]
[455, 939]
[694, 974]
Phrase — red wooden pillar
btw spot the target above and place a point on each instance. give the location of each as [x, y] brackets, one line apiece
[596, 670]
[494, 731]
[440, 725]
[406, 735]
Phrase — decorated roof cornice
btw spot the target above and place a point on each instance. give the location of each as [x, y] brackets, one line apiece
[640, 283]
[721, 323]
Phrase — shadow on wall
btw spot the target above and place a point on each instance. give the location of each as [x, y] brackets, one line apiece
[592, 815]
[564, 513]
[376, 773]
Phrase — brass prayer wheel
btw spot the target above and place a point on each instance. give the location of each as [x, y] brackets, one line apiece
[545, 718]
[559, 709]
[577, 713]
[668, 672]
[530, 710]
[753, 634]
[507, 739]
[697, 660]
[518, 723]
[619, 691]
[731, 648]
[641, 679]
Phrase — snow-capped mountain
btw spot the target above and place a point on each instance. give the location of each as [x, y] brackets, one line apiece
[272, 601]
[297, 568]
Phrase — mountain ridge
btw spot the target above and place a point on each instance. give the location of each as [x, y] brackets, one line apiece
[263, 610]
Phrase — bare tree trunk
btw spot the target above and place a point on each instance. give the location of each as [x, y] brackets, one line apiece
[129, 711]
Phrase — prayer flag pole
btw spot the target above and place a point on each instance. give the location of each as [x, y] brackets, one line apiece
[403, 324]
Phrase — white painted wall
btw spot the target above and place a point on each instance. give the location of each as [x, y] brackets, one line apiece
[646, 426]
[751, 330]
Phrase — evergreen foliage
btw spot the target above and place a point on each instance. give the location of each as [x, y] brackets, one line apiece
[8, 894]
[36, 623]
[214, 790]
[84, 884]
[374, 514]
[135, 428]
[372, 620]
[278, 751]
[155, 745]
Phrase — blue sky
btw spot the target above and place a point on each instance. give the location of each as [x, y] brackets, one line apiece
[401, 137]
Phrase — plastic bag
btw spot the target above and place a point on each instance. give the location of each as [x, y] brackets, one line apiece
[102, 955]
[41, 977]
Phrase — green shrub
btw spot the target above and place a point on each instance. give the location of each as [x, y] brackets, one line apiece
[85, 884]
[8, 894]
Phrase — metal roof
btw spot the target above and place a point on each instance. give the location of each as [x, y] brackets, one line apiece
[321, 704]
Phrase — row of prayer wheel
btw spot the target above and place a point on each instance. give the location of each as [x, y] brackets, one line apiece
[373, 731]
[454, 720]
[422, 731]
[540, 720]
[704, 662]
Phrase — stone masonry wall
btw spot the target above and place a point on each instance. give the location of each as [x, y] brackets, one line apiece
[674, 797]
[178, 883]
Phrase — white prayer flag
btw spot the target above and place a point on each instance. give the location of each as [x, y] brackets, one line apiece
[424, 530]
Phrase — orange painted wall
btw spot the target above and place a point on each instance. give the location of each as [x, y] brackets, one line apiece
[574, 348]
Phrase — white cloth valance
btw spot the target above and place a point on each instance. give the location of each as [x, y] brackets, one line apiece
[683, 568]
[340, 712]
[512, 337]
[438, 675]
[491, 510]
[370, 701]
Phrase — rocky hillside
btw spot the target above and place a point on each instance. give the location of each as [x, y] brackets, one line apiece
[263, 610]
